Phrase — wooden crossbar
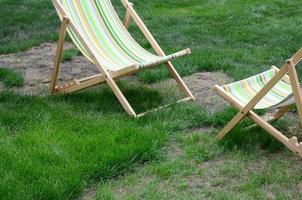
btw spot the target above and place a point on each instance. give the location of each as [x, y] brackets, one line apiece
[165, 106]
[128, 17]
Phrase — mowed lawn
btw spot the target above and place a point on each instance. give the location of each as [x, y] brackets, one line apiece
[53, 147]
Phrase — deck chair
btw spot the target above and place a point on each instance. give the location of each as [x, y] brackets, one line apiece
[275, 89]
[99, 34]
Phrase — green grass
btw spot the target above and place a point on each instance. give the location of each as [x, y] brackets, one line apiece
[25, 24]
[69, 54]
[53, 147]
[194, 166]
[10, 78]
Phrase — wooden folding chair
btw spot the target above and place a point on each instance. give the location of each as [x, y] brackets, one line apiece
[97, 31]
[274, 89]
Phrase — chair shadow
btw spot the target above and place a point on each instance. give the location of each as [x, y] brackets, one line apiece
[102, 99]
[247, 136]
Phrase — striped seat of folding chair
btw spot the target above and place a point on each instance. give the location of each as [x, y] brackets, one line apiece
[244, 90]
[101, 29]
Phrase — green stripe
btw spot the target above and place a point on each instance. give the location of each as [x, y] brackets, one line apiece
[276, 95]
[114, 35]
[106, 36]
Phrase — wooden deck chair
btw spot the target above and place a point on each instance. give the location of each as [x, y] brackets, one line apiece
[98, 33]
[276, 89]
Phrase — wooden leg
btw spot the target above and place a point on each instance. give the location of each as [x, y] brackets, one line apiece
[58, 57]
[236, 119]
[179, 80]
[116, 90]
[280, 113]
[292, 144]
[296, 87]
[230, 125]
[127, 20]
[128, 17]
[120, 96]
[285, 78]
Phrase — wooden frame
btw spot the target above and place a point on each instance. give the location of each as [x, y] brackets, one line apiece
[128, 17]
[108, 76]
[287, 73]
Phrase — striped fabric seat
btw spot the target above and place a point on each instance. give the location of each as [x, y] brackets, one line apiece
[104, 33]
[246, 89]
[275, 90]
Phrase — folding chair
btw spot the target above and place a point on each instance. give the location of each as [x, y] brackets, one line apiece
[276, 89]
[98, 33]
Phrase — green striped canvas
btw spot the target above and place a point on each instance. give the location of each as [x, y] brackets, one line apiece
[246, 89]
[100, 27]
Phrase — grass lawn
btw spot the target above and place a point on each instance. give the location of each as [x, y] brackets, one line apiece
[193, 166]
[53, 147]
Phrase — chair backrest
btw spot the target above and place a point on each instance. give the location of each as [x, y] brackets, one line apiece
[100, 27]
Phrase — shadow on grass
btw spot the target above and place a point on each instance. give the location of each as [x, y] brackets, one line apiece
[246, 136]
[97, 101]
[103, 100]
[51, 147]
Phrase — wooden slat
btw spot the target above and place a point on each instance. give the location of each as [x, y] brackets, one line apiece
[297, 57]
[281, 111]
[57, 62]
[295, 86]
[128, 18]
[85, 84]
[285, 78]
[165, 106]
